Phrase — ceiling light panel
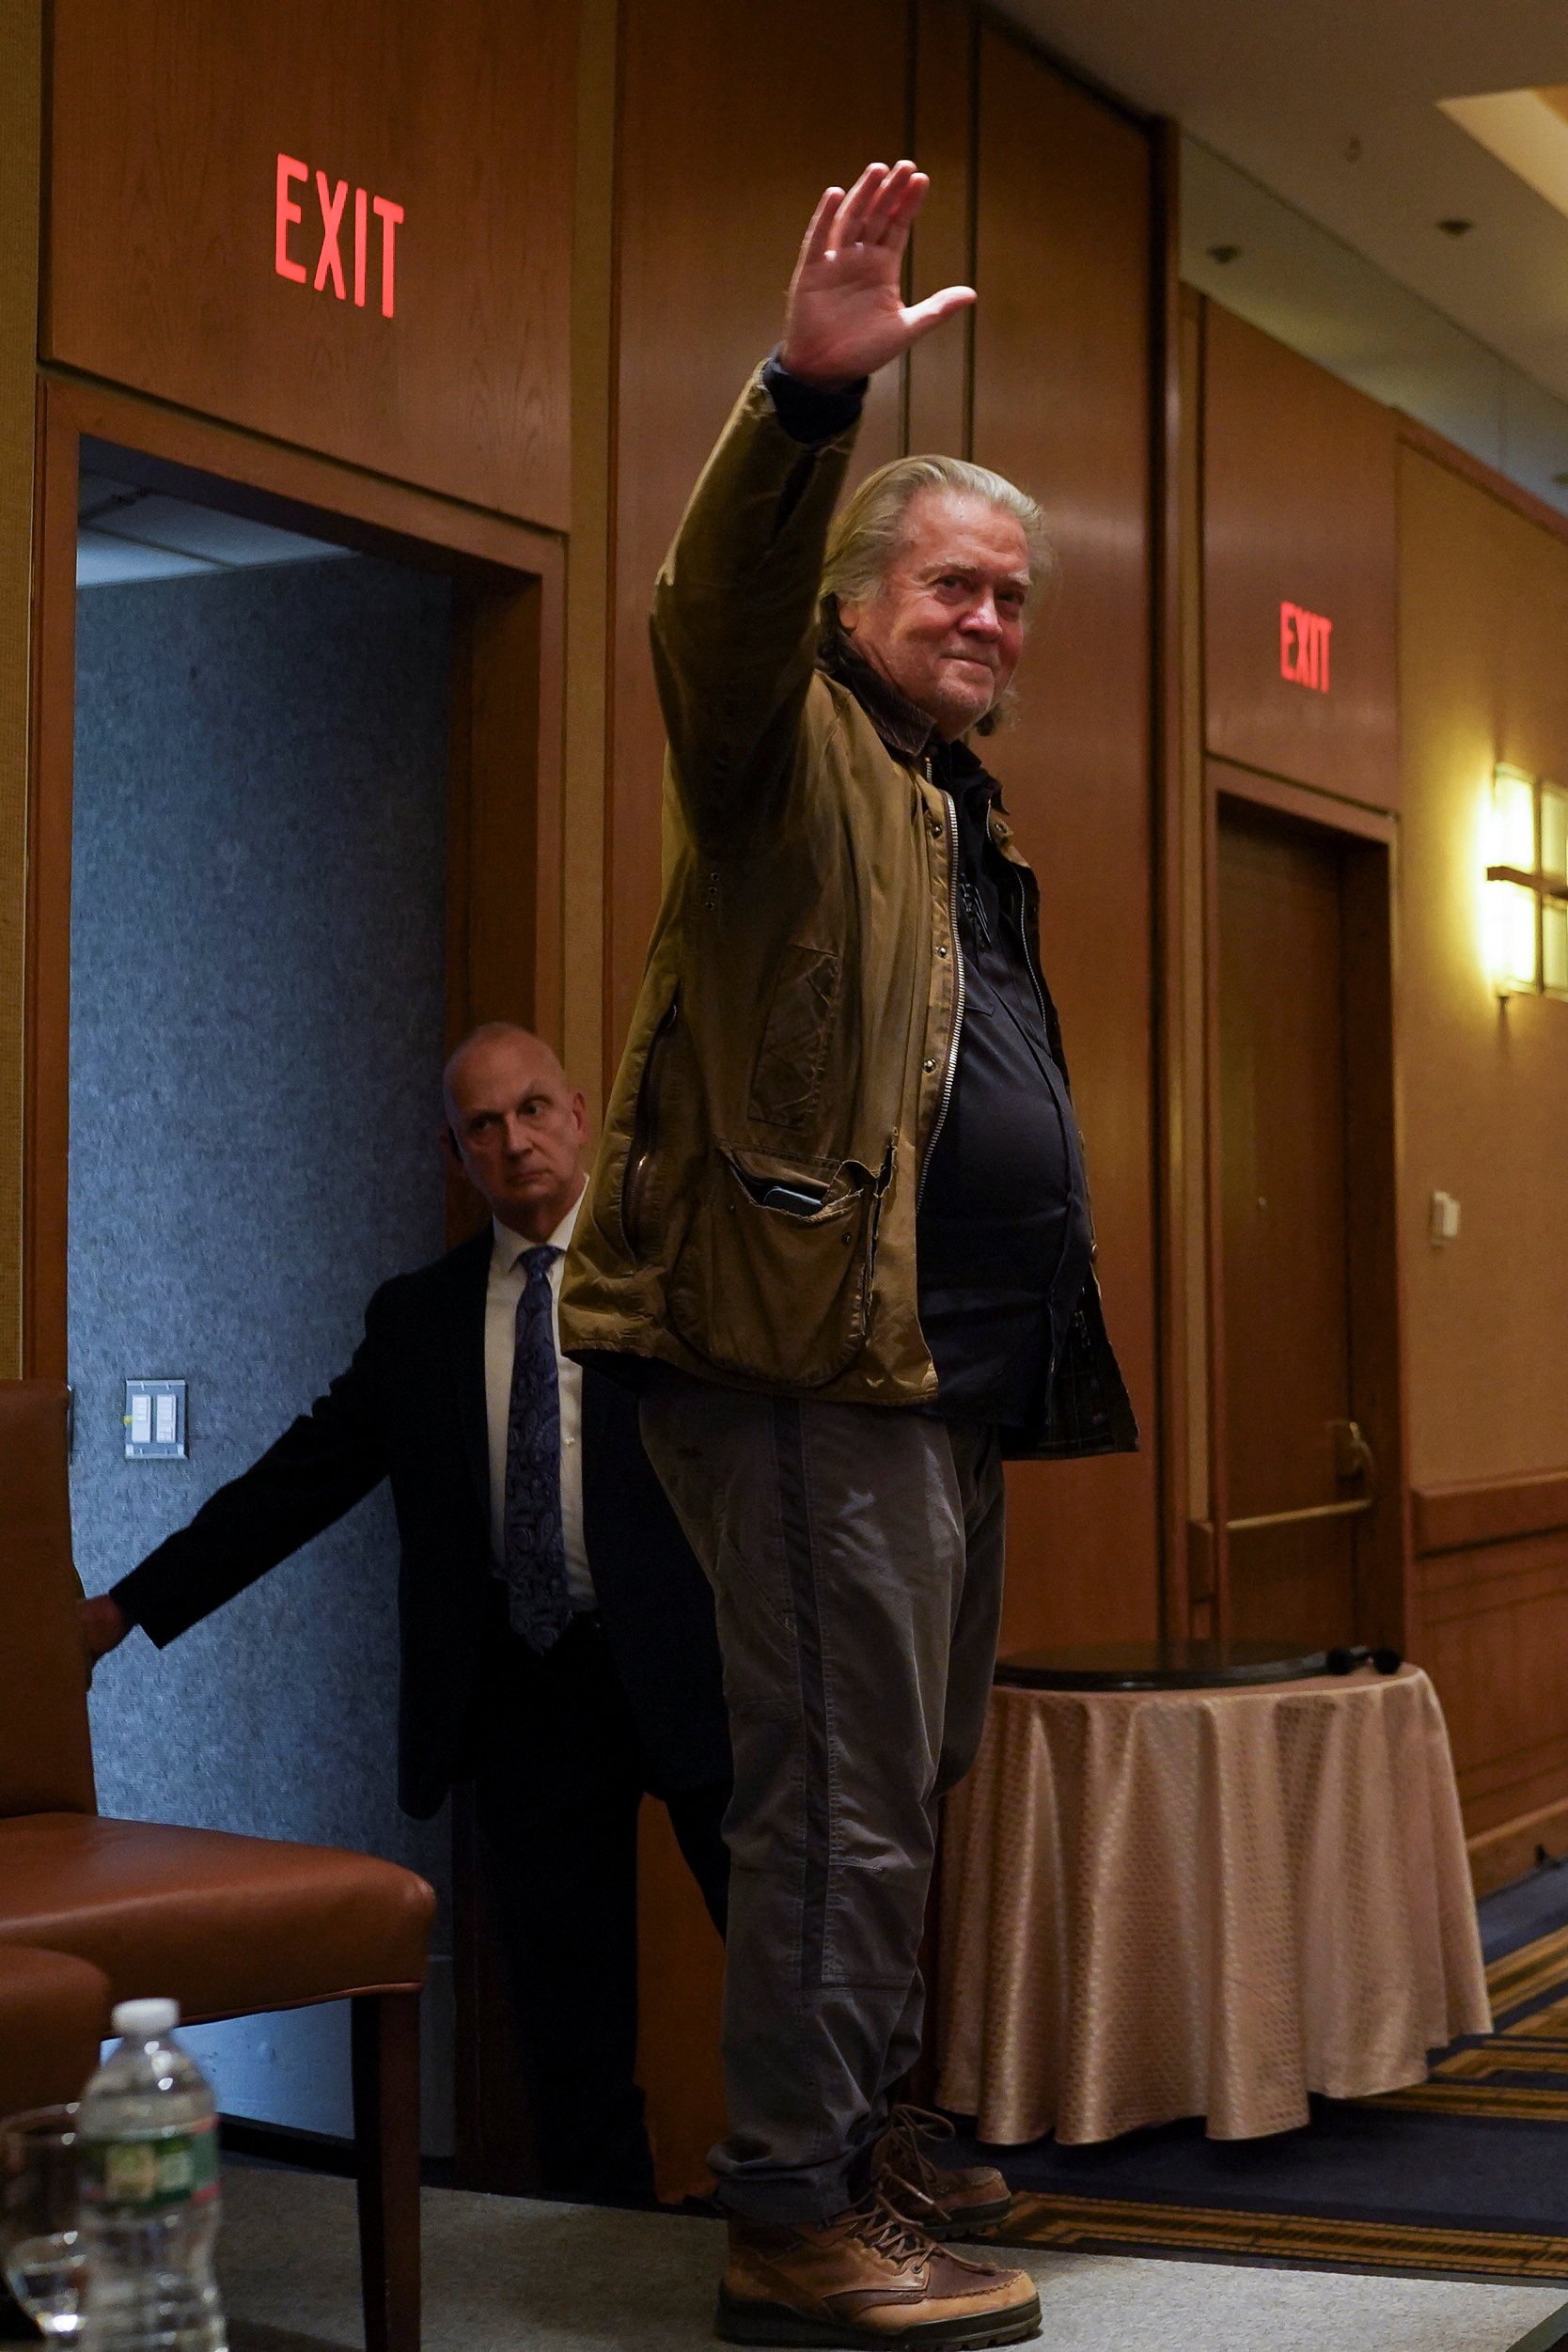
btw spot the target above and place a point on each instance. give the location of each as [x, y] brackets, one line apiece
[1527, 131]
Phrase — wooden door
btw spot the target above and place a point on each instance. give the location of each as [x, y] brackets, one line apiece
[1289, 1370]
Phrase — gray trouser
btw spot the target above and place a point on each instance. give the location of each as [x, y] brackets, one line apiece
[855, 1556]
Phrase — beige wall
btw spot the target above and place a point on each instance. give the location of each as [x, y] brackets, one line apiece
[1483, 677]
[20, 56]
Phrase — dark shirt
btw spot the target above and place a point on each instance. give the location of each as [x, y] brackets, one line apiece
[1002, 1239]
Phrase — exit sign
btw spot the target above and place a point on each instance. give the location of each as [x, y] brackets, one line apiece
[292, 255]
[1304, 648]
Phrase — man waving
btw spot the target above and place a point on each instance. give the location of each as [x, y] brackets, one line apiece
[838, 1233]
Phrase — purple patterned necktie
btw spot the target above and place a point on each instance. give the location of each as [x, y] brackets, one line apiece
[539, 1604]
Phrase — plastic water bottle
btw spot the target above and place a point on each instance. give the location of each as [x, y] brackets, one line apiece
[148, 2141]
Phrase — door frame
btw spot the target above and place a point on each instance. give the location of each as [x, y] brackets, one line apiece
[504, 820]
[504, 948]
[1367, 843]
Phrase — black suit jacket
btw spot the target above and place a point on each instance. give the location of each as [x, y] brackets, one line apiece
[411, 1407]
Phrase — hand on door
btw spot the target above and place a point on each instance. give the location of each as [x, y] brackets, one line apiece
[105, 1626]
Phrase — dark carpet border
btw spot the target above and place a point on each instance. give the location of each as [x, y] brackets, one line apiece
[1076, 2225]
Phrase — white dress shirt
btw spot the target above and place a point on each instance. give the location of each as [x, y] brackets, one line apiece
[506, 1279]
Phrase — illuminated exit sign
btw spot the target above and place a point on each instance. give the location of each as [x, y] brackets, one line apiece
[342, 258]
[1304, 648]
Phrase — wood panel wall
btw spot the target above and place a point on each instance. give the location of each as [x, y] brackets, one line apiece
[1298, 510]
[727, 131]
[730, 129]
[1492, 1630]
[167, 120]
[1061, 403]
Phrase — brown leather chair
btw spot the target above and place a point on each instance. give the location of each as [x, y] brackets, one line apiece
[222, 1924]
[54, 2013]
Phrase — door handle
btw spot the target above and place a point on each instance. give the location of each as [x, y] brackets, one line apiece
[1352, 1459]
[1352, 1510]
[1352, 1456]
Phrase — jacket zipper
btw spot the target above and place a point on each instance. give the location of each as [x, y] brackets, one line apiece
[951, 1071]
[1035, 981]
[645, 1128]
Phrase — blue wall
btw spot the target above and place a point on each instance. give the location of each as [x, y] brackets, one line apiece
[258, 956]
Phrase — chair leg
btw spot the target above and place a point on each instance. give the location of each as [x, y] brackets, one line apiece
[385, 2034]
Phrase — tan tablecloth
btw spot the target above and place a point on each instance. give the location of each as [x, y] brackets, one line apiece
[1202, 1902]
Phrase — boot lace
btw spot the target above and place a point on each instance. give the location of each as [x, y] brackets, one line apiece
[901, 2154]
[877, 2223]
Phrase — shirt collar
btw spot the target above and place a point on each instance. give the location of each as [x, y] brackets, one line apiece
[902, 724]
[509, 1247]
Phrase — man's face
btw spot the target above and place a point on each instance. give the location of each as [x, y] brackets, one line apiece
[518, 1130]
[946, 624]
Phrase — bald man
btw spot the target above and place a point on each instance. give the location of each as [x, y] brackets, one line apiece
[558, 1636]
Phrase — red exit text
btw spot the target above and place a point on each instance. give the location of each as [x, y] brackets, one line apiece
[331, 204]
[1304, 646]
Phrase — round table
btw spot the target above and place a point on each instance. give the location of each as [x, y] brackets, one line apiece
[1177, 1903]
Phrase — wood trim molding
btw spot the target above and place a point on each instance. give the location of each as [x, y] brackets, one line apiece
[507, 747]
[1171, 433]
[1499, 1856]
[1476, 471]
[1302, 801]
[944, 81]
[383, 509]
[1364, 841]
[1489, 1511]
[1209, 1603]
[21, 68]
[588, 668]
[46, 1114]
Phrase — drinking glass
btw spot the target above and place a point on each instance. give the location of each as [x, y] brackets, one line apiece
[39, 2246]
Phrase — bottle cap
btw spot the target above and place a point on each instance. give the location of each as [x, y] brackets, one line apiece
[143, 2020]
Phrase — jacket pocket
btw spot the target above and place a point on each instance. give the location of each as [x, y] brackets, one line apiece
[788, 1068]
[772, 1292]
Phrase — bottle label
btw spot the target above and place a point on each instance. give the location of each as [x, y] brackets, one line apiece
[128, 2177]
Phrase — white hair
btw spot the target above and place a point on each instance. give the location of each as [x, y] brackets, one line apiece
[869, 529]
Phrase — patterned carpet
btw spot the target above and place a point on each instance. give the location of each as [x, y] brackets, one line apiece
[1465, 2175]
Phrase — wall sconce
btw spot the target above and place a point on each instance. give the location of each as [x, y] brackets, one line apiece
[1527, 886]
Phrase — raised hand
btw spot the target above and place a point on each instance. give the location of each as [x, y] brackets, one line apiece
[846, 315]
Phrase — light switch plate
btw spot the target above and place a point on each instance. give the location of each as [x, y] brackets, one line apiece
[1443, 1221]
[155, 1420]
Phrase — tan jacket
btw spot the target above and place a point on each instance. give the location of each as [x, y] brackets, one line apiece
[798, 1020]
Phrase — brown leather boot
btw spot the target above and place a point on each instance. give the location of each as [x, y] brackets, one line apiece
[870, 2276]
[945, 2201]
